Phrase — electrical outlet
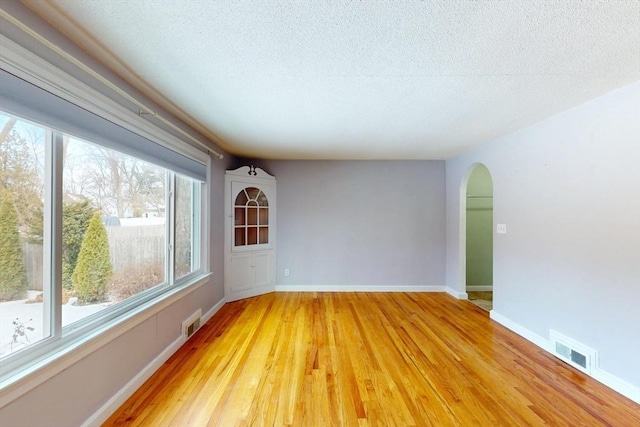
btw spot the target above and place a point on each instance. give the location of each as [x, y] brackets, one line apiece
[501, 229]
[286, 272]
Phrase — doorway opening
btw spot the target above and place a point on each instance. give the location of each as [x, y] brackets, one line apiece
[478, 211]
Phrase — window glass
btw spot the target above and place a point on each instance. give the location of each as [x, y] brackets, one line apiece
[241, 200]
[114, 228]
[187, 220]
[22, 279]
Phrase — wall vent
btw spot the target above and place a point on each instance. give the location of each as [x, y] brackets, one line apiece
[191, 324]
[574, 353]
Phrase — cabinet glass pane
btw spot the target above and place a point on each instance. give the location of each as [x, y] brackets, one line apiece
[262, 199]
[239, 240]
[252, 192]
[252, 235]
[264, 216]
[252, 216]
[241, 199]
[264, 235]
[239, 217]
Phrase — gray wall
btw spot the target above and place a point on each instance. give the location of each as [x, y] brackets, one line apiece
[568, 189]
[72, 396]
[360, 223]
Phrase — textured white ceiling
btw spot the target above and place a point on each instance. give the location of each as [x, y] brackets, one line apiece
[359, 80]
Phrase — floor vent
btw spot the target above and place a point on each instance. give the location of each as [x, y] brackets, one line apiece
[575, 354]
[191, 325]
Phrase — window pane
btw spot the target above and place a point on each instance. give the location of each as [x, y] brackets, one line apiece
[114, 228]
[264, 216]
[240, 217]
[252, 235]
[262, 199]
[239, 236]
[252, 215]
[22, 284]
[264, 235]
[252, 192]
[241, 200]
[185, 226]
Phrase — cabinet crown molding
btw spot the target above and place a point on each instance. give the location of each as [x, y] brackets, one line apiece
[250, 171]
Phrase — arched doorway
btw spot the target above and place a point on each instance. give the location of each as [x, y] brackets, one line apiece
[478, 211]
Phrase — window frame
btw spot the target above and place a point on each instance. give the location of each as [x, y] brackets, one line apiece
[197, 224]
[66, 345]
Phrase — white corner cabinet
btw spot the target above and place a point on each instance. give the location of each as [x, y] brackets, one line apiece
[250, 233]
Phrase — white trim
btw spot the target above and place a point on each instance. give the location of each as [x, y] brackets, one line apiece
[358, 288]
[479, 288]
[456, 294]
[617, 384]
[106, 410]
[462, 227]
[248, 172]
[522, 331]
[111, 405]
[609, 380]
[35, 70]
[209, 314]
[32, 376]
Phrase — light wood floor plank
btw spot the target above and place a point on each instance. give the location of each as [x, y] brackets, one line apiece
[366, 359]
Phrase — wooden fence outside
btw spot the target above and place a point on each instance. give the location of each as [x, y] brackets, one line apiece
[133, 247]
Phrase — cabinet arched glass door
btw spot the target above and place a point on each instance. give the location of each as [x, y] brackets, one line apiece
[250, 218]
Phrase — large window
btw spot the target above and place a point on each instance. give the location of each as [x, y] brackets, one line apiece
[22, 191]
[128, 229]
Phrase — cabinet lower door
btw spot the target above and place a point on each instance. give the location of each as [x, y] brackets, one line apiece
[240, 274]
[249, 274]
[262, 268]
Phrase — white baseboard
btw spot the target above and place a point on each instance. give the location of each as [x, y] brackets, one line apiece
[523, 332]
[611, 381]
[209, 314]
[479, 288]
[357, 288]
[111, 405]
[615, 383]
[456, 294]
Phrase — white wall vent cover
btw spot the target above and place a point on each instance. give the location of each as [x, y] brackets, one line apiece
[574, 353]
[191, 324]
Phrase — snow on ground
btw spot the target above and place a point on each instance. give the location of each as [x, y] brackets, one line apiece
[31, 315]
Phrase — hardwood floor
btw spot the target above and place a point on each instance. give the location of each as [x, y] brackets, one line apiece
[366, 359]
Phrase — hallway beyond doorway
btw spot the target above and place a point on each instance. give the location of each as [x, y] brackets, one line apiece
[483, 299]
